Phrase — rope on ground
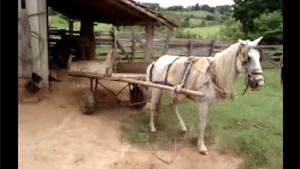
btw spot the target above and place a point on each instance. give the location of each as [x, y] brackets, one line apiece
[159, 158]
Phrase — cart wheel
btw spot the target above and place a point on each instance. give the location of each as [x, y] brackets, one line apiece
[87, 102]
[137, 97]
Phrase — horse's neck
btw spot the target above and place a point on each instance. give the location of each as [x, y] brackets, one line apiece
[226, 71]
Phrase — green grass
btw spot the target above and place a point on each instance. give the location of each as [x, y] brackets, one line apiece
[59, 22]
[205, 32]
[102, 27]
[250, 125]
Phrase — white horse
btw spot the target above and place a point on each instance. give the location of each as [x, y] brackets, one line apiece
[213, 76]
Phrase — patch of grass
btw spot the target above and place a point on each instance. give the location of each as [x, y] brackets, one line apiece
[250, 124]
[205, 32]
[59, 22]
[102, 27]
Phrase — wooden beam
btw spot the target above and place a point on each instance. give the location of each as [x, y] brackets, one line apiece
[166, 22]
[149, 41]
[123, 49]
[87, 39]
[160, 86]
[115, 38]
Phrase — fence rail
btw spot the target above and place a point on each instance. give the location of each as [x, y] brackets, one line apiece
[131, 44]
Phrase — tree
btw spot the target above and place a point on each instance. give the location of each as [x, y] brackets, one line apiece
[197, 7]
[203, 23]
[210, 17]
[232, 30]
[217, 16]
[246, 11]
[270, 26]
[186, 22]
[205, 7]
[154, 6]
[224, 9]
[176, 8]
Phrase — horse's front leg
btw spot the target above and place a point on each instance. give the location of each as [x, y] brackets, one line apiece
[175, 109]
[202, 117]
[155, 107]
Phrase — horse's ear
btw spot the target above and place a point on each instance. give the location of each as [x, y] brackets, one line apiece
[243, 42]
[255, 42]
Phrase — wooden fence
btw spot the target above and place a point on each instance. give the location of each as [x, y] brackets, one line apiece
[130, 45]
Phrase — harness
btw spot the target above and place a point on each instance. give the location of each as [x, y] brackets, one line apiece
[211, 69]
[187, 66]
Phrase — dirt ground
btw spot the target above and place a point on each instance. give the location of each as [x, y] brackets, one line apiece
[53, 134]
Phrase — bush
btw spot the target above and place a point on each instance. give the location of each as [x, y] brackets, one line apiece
[203, 24]
[232, 30]
[179, 33]
[270, 26]
[210, 17]
[186, 22]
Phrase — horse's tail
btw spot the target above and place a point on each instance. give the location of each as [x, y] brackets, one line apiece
[149, 72]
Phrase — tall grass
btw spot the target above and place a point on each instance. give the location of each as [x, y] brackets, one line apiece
[250, 125]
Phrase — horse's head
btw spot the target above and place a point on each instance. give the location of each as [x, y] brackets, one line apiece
[248, 63]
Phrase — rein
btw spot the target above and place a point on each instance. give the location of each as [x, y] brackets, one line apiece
[213, 79]
[222, 93]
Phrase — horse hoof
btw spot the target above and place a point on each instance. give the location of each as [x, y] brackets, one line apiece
[153, 130]
[184, 131]
[203, 152]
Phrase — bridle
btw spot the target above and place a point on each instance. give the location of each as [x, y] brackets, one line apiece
[244, 63]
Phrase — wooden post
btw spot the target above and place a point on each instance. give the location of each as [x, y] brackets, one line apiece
[211, 49]
[115, 38]
[38, 24]
[190, 48]
[87, 39]
[149, 41]
[166, 47]
[133, 46]
[71, 27]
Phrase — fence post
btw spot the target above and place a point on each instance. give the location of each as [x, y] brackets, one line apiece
[149, 29]
[71, 27]
[166, 47]
[133, 46]
[211, 49]
[114, 36]
[190, 47]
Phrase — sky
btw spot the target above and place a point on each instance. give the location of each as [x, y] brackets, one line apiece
[185, 3]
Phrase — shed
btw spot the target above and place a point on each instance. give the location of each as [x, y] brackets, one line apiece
[116, 12]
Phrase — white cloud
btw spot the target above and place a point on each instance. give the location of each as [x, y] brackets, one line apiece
[185, 3]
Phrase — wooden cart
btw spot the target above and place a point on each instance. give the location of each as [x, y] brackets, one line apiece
[96, 71]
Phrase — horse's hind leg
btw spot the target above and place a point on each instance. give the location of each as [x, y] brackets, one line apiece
[155, 107]
[202, 117]
[175, 109]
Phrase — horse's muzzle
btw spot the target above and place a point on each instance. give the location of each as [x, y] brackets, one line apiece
[256, 82]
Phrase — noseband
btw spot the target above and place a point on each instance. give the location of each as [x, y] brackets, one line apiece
[244, 64]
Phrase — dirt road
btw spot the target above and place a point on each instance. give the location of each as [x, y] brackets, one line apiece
[53, 134]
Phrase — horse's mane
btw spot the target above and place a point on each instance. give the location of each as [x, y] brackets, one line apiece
[225, 67]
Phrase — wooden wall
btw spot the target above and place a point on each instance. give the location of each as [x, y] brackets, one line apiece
[38, 54]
